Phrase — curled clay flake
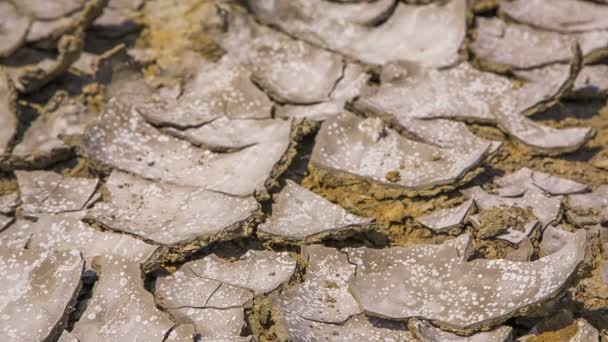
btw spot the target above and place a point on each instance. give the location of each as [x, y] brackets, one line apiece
[259, 271]
[520, 47]
[121, 309]
[170, 214]
[231, 93]
[426, 332]
[322, 308]
[14, 28]
[586, 209]
[404, 35]
[591, 83]
[212, 293]
[558, 15]
[38, 289]
[122, 139]
[64, 232]
[464, 296]
[466, 94]
[301, 215]
[231, 135]
[446, 219]
[366, 148]
[50, 192]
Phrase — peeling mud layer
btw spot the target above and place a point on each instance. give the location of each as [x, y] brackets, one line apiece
[304, 170]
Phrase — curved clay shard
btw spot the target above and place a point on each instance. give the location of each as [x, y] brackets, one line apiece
[557, 15]
[225, 135]
[212, 293]
[39, 289]
[14, 28]
[322, 308]
[426, 332]
[42, 144]
[122, 139]
[50, 192]
[517, 183]
[546, 209]
[393, 103]
[467, 94]
[591, 83]
[279, 60]
[8, 113]
[405, 35]
[219, 89]
[169, 214]
[348, 87]
[301, 215]
[520, 46]
[554, 239]
[262, 50]
[583, 332]
[366, 148]
[587, 209]
[185, 289]
[369, 260]
[52, 9]
[446, 219]
[464, 296]
[9, 202]
[556, 185]
[121, 309]
[64, 232]
[258, 271]
[70, 23]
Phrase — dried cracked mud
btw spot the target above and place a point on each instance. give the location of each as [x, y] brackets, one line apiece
[303, 170]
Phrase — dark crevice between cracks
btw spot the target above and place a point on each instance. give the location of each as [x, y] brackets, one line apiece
[89, 279]
[339, 79]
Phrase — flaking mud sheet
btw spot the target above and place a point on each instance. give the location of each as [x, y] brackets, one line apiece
[307, 170]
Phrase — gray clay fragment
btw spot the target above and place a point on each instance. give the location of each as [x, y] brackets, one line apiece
[415, 92]
[521, 47]
[588, 209]
[426, 332]
[258, 271]
[446, 219]
[14, 28]
[322, 308]
[66, 231]
[50, 192]
[301, 215]
[121, 309]
[170, 214]
[404, 35]
[230, 135]
[9, 202]
[367, 148]
[212, 293]
[39, 290]
[464, 296]
[231, 94]
[121, 139]
[557, 15]
[546, 209]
